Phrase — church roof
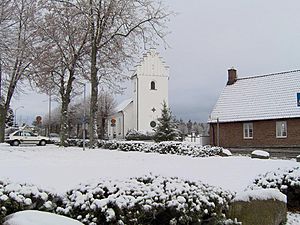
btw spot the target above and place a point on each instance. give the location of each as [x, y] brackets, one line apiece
[121, 107]
[272, 96]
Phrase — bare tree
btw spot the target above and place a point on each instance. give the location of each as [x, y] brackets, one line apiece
[17, 36]
[118, 28]
[64, 31]
[106, 106]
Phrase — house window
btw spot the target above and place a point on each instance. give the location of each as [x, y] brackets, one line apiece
[248, 130]
[281, 129]
[152, 85]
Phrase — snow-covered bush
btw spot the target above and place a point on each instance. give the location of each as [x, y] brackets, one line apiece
[147, 200]
[185, 148]
[17, 197]
[134, 135]
[286, 180]
[167, 147]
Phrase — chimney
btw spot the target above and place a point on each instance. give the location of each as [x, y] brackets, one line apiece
[232, 76]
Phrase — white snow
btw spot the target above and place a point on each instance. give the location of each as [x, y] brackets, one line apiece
[32, 217]
[60, 169]
[260, 153]
[260, 194]
[293, 218]
[226, 152]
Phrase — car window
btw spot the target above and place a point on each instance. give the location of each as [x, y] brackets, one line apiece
[17, 133]
[28, 134]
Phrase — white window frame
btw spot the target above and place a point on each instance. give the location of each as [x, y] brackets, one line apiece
[281, 128]
[246, 130]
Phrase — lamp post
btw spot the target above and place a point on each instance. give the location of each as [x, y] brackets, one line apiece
[49, 107]
[84, 116]
[16, 113]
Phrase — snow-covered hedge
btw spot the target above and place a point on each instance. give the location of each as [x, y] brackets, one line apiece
[143, 200]
[147, 200]
[286, 180]
[135, 135]
[168, 147]
[17, 197]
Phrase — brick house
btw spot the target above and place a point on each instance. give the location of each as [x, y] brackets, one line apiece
[258, 111]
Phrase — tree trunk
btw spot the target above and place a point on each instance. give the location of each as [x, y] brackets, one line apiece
[66, 99]
[64, 123]
[3, 113]
[94, 100]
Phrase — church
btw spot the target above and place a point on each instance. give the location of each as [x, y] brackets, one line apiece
[150, 90]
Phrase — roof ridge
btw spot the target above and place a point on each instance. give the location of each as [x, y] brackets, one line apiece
[270, 74]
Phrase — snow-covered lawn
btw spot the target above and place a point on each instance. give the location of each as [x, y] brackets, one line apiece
[60, 169]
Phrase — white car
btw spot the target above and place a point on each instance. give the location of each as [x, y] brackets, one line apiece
[25, 137]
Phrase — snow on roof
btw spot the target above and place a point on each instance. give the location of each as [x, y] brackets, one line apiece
[263, 97]
[123, 105]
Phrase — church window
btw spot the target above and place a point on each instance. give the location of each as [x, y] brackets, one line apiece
[152, 85]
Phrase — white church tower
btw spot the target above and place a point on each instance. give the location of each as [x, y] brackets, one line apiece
[150, 90]
[150, 84]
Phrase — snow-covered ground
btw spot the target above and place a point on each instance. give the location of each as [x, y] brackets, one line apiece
[60, 169]
[31, 217]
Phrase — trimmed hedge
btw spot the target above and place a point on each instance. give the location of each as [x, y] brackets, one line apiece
[134, 135]
[144, 200]
[168, 147]
[18, 197]
[147, 200]
[286, 180]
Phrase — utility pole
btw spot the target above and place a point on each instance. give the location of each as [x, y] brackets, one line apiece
[20, 107]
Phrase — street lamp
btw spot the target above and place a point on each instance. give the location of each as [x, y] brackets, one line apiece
[20, 107]
[84, 116]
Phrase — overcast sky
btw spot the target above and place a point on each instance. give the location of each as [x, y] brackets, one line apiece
[207, 38]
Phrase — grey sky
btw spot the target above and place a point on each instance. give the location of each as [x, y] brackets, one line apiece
[208, 37]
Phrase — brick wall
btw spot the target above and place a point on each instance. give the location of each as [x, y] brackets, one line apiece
[264, 134]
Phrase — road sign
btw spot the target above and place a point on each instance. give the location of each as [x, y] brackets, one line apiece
[298, 99]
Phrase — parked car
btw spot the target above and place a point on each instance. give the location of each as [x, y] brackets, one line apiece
[54, 138]
[25, 137]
